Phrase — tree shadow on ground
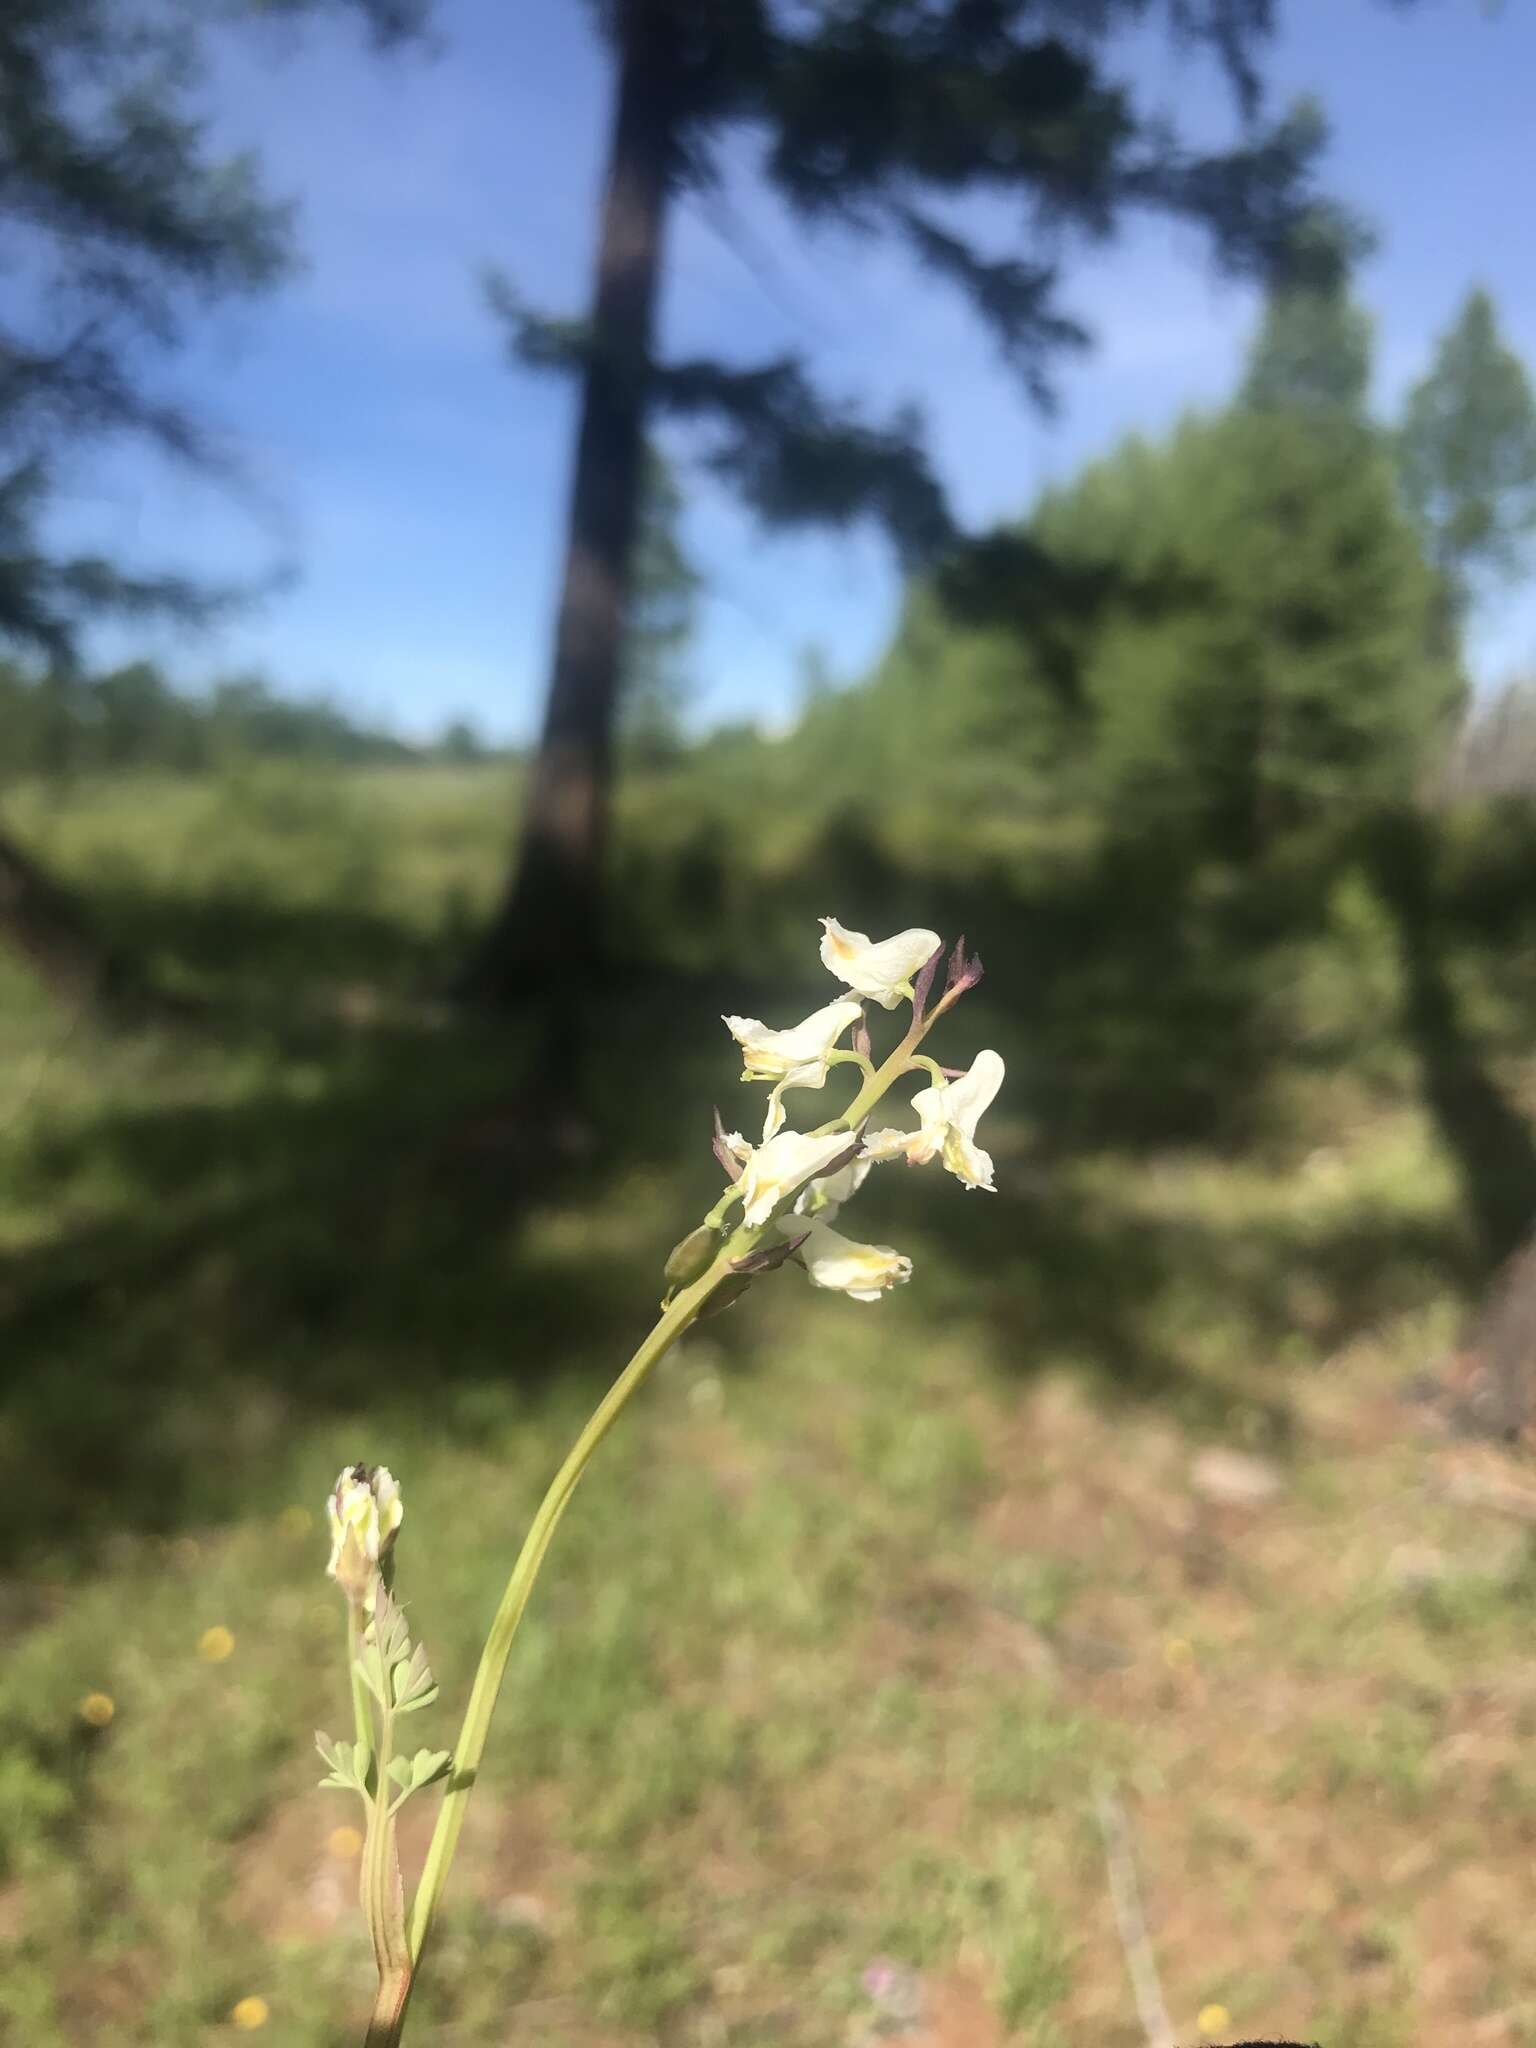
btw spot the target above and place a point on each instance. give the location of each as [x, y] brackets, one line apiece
[400, 1221]
[348, 1233]
[1484, 1133]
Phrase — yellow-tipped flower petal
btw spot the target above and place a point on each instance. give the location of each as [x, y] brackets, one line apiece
[802, 1051]
[862, 1271]
[949, 1114]
[882, 972]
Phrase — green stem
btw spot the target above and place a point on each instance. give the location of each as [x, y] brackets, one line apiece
[921, 1059]
[362, 1702]
[673, 1321]
[382, 1904]
[675, 1318]
[376, 1851]
[882, 1077]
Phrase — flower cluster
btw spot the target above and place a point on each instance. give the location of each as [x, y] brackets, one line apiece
[798, 1181]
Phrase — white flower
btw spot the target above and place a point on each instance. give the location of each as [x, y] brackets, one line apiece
[783, 1164]
[797, 1058]
[949, 1113]
[773, 1055]
[864, 1271]
[365, 1512]
[825, 1197]
[883, 972]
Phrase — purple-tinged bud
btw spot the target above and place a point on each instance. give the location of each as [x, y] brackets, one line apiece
[861, 1041]
[768, 1258]
[855, 1146]
[729, 1291]
[924, 982]
[963, 973]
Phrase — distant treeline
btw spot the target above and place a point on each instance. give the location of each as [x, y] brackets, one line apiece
[134, 717]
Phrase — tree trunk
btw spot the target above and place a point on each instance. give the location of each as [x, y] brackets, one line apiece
[46, 925]
[547, 935]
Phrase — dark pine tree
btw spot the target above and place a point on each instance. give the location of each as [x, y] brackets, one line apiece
[875, 115]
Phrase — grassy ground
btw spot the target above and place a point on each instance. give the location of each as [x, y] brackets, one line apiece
[861, 1604]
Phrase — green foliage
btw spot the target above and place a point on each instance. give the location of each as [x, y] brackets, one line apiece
[119, 219]
[57, 721]
[1231, 644]
[1467, 453]
[1311, 354]
[1159, 720]
[461, 741]
[1266, 665]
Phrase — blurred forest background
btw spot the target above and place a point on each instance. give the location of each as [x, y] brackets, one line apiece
[353, 1088]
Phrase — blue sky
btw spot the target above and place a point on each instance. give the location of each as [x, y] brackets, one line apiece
[420, 484]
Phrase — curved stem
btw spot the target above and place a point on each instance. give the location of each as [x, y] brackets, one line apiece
[675, 1318]
[880, 1079]
[921, 1059]
[388, 2015]
[493, 1660]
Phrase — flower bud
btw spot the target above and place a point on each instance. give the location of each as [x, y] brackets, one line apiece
[691, 1259]
[767, 1258]
[729, 1291]
[365, 1513]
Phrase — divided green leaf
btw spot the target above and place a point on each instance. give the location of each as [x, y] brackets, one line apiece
[347, 1764]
